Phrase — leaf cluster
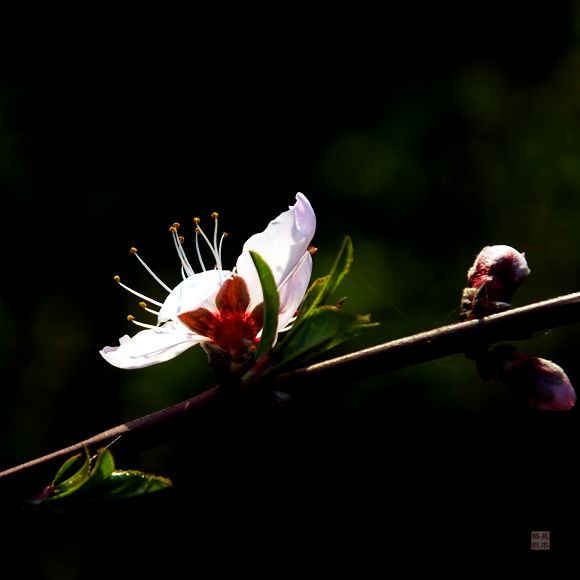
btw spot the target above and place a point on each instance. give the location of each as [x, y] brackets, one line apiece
[320, 324]
[83, 478]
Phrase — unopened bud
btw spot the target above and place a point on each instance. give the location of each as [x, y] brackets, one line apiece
[541, 382]
[501, 268]
[492, 280]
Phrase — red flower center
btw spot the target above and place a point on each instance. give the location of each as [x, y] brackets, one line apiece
[232, 328]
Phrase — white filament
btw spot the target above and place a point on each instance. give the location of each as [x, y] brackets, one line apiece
[155, 277]
[185, 265]
[213, 248]
[138, 293]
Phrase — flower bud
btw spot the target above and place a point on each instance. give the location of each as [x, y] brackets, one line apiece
[501, 268]
[495, 275]
[541, 382]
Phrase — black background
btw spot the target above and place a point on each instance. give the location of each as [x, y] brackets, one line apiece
[120, 119]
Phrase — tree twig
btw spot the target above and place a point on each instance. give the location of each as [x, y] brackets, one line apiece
[516, 324]
[462, 337]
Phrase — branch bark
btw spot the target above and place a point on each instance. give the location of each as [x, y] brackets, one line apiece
[152, 429]
[516, 324]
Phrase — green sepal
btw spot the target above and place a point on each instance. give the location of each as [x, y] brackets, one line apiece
[271, 304]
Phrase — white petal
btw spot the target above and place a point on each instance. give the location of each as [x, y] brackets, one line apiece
[292, 291]
[197, 291]
[282, 244]
[150, 347]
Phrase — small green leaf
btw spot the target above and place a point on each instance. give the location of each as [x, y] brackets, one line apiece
[68, 469]
[320, 331]
[102, 466]
[75, 481]
[341, 265]
[322, 288]
[271, 304]
[320, 327]
[314, 296]
[125, 484]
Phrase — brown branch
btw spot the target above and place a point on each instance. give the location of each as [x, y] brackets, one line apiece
[462, 337]
[141, 433]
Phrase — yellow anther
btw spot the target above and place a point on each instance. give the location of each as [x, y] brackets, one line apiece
[143, 304]
[130, 318]
[172, 229]
[181, 239]
[225, 234]
[197, 230]
[214, 215]
[175, 225]
[133, 250]
[196, 220]
[312, 250]
[117, 278]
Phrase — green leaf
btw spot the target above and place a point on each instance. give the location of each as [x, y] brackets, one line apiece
[102, 466]
[90, 476]
[271, 304]
[74, 482]
[322, 288]
[314, 296]
[320, 327]
[96, 479]
[341, 265]
[68, 469]
[125, 484]
[322, 330]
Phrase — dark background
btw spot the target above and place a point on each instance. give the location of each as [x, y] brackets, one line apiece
[425, 134]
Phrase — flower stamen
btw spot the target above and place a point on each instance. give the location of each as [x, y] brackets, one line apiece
[186, 269]
[155, 277]
[147, 309]
[294, 270]
[131, 318]
[213, 247]
[118, 280]
[197, 231]
[214, 216]
[224, 235]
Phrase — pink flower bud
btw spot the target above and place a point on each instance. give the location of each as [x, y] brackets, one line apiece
[501, 268]
[496, 274]
[542, 383]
